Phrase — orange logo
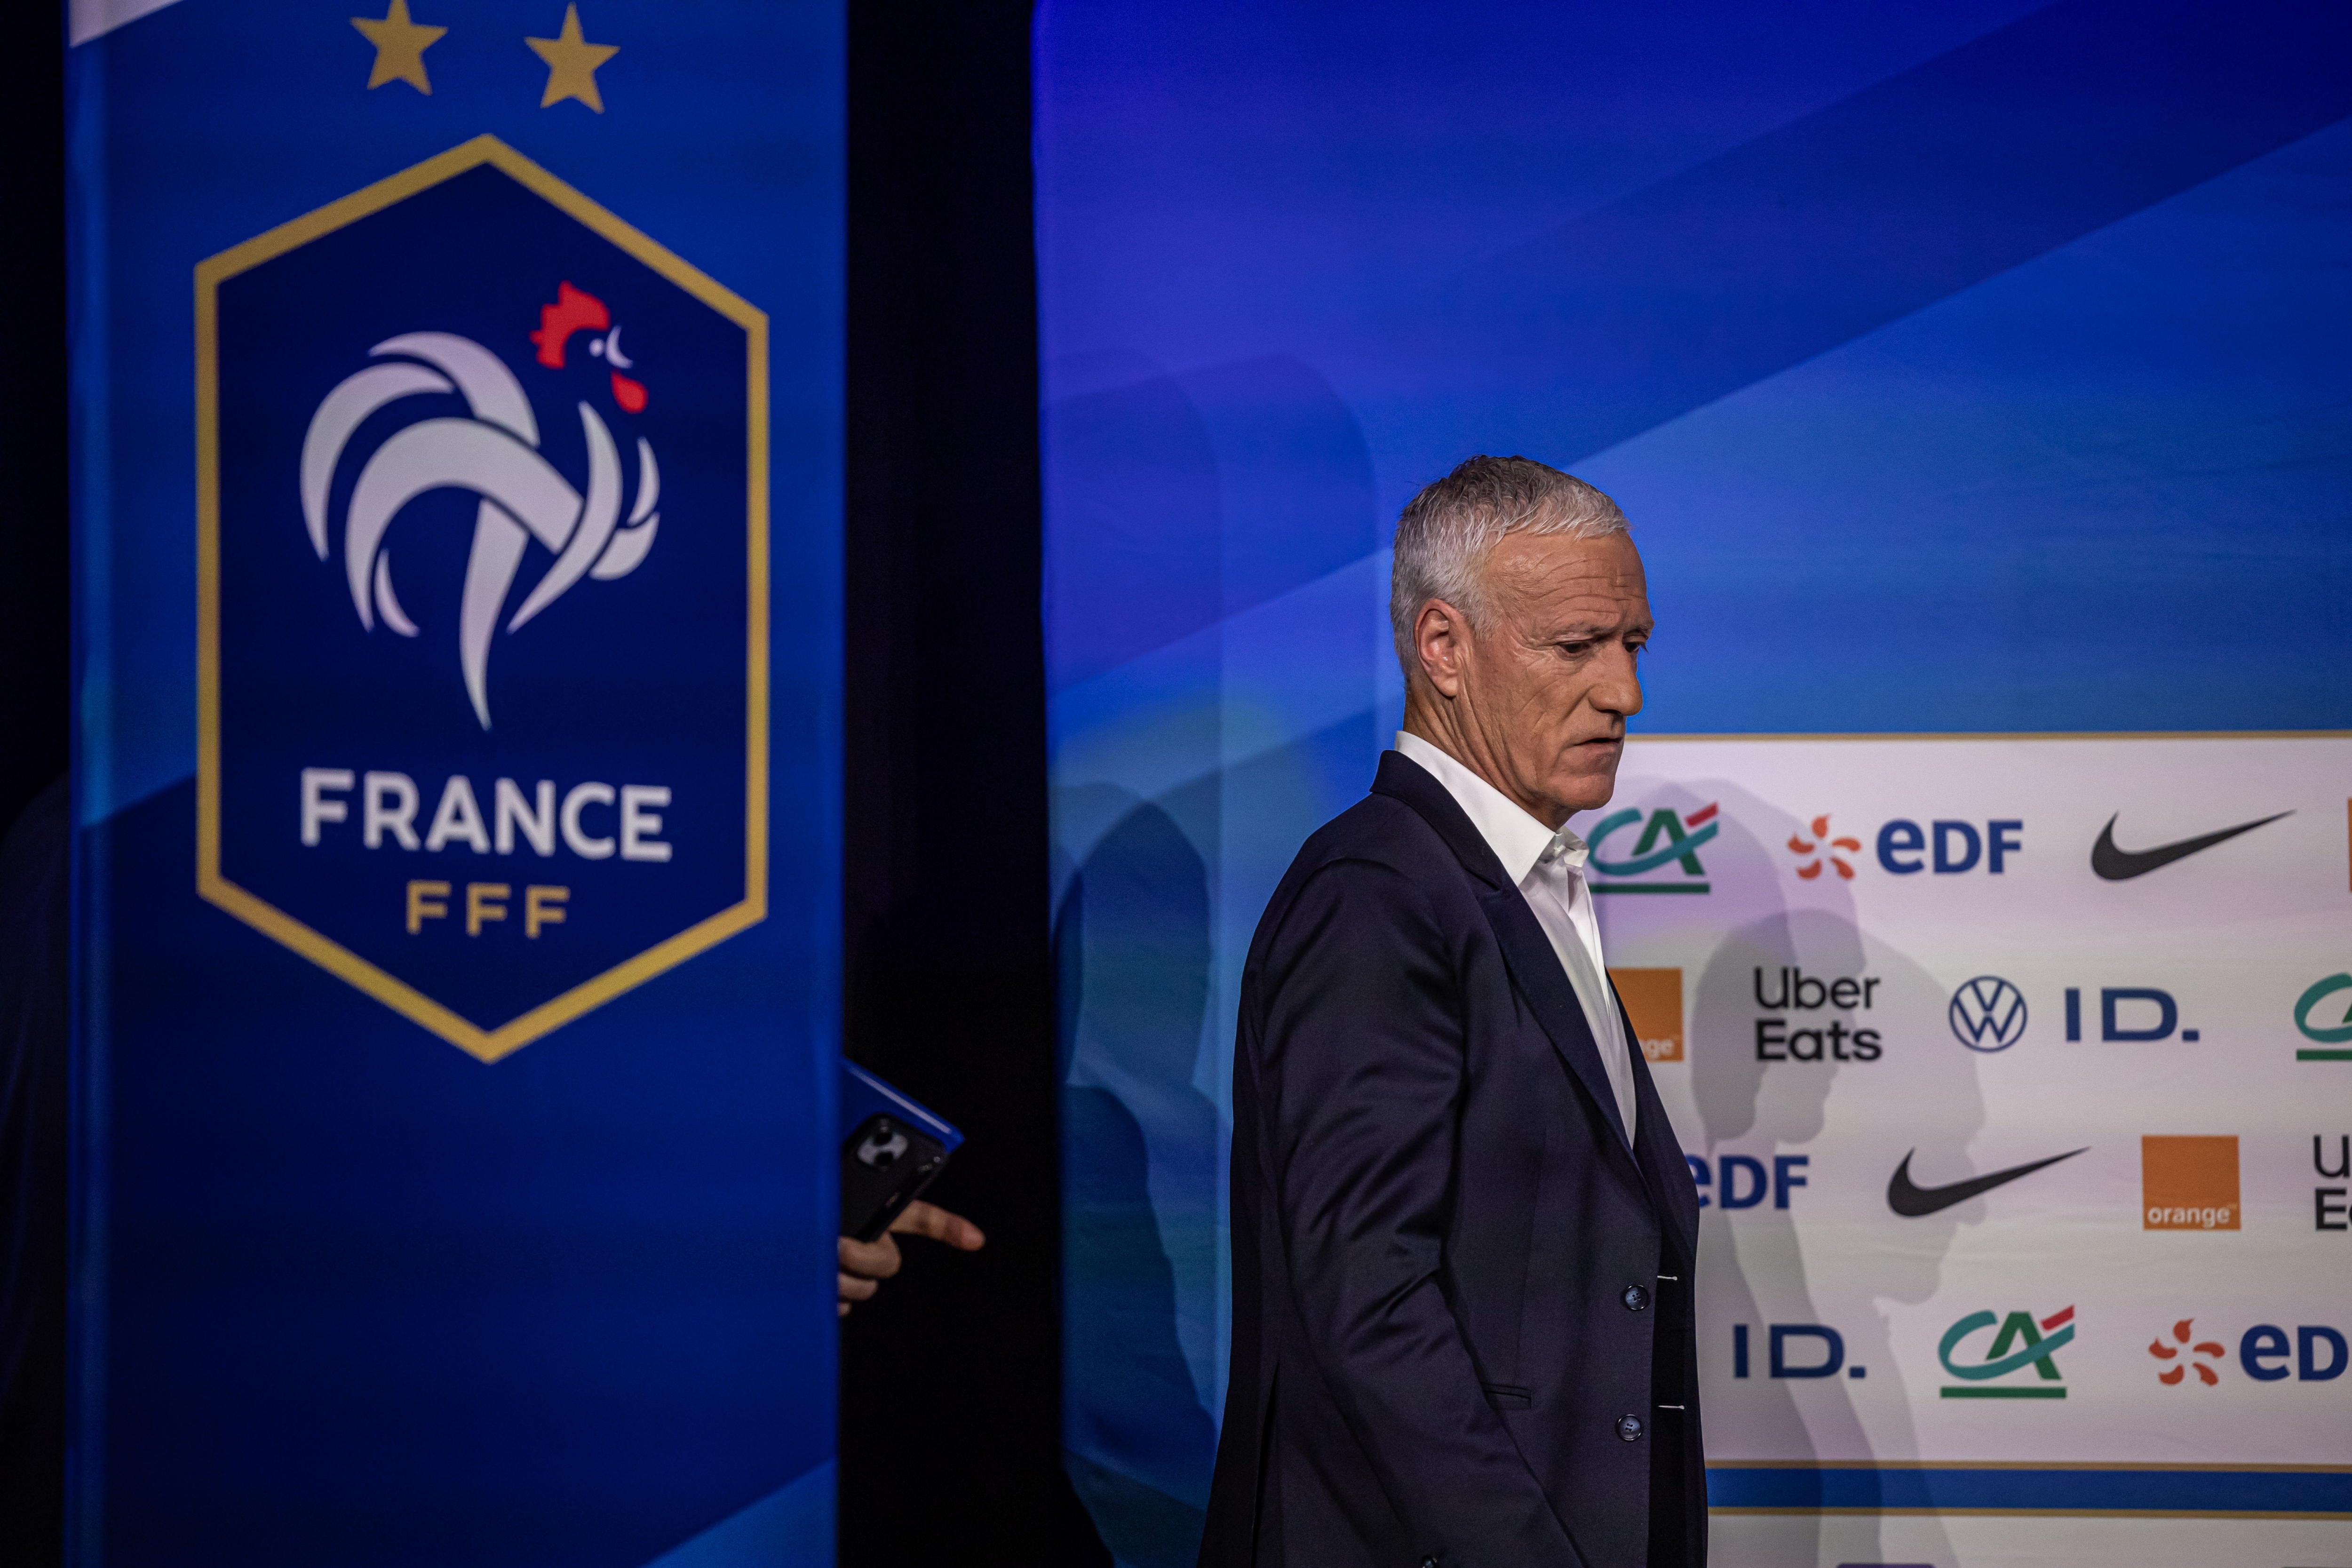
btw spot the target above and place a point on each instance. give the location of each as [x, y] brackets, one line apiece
[1654, 1002]
[2189, 1184]
[2162, 1352]
[1822, 847]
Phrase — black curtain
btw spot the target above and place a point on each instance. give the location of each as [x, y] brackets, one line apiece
[34, 594]
[950, 1415]
[33, 531]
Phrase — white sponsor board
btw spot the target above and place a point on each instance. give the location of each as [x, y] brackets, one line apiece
[1910, 965]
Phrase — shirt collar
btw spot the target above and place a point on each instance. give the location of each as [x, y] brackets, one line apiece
[1517, 840]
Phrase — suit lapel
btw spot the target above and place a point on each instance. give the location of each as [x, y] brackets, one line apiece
[1535, 970]
[1535, 967]
[1658, 1151]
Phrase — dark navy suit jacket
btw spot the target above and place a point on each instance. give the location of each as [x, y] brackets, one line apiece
[1449, 1338]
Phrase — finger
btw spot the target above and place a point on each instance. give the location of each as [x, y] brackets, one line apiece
[929, 1219]
[855, 1289]
[874, 1260]
[842, 1309]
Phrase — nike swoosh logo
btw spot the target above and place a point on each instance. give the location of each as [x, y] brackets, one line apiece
[1912, 1202]
[2114, 864]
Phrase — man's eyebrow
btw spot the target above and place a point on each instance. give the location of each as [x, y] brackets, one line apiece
[1591, 631]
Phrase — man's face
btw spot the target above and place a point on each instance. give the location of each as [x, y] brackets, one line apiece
[1548, 683]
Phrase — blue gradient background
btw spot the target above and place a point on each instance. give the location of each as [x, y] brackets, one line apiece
[343, 1294]
[1976, 367]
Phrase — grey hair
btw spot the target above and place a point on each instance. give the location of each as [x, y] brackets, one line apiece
[1447, 531]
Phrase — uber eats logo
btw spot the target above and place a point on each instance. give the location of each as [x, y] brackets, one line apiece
[1802, 1021]
[2330, 1209]
[482, 597]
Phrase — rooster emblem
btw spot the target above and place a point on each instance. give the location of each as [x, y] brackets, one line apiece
[495, 454]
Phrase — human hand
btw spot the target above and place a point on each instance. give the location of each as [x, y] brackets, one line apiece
[864, 1265]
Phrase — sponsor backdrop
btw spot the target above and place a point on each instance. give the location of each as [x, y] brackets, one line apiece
[1972, 374]
[457, 867]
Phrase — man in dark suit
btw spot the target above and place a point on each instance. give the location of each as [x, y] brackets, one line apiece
[1463, 1230]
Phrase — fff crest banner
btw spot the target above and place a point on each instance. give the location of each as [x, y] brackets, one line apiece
[369, 393]
[457, 836]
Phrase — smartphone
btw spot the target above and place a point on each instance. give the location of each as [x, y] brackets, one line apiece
[891, 1149]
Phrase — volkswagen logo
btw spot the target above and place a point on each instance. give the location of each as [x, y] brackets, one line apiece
[1988, 1013]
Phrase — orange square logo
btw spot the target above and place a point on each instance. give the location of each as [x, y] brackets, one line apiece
[1654, 1001]
[2189, 1184]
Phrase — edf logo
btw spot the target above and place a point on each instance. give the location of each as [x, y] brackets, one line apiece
[1744, 1184]
[482, 597]
[1946, 848]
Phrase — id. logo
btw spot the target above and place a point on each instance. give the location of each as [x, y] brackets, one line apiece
[465, 737]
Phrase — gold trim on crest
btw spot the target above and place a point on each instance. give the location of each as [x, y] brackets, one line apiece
[484, 1045]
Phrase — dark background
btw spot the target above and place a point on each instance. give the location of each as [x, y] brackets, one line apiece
[33, 570]
[950, 1437]
[950, 1415]
[33, 654]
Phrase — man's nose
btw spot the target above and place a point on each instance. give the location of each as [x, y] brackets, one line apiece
[1618, 688]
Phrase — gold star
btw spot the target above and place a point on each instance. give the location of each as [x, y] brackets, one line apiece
[571, 62]
[400, 45]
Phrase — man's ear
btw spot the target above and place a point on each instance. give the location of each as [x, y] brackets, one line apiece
[1441, 640]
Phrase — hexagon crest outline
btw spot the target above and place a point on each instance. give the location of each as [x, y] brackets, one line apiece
[486, 1044]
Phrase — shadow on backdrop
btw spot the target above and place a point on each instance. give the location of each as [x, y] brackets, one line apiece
[1132, 946]
[1755, 1268]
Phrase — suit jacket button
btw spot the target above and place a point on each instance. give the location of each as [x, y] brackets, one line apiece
[1629, 1427]
[1429, 1563]
[1635, 1298]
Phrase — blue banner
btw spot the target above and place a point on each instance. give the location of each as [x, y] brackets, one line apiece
[457, 864]
[1962, 369]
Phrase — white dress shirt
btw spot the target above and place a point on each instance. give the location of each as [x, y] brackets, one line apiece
[1549, 869]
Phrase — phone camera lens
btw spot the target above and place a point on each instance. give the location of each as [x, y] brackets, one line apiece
[882, 1145]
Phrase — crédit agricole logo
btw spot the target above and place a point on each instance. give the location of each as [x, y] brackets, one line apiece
[467, 738]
